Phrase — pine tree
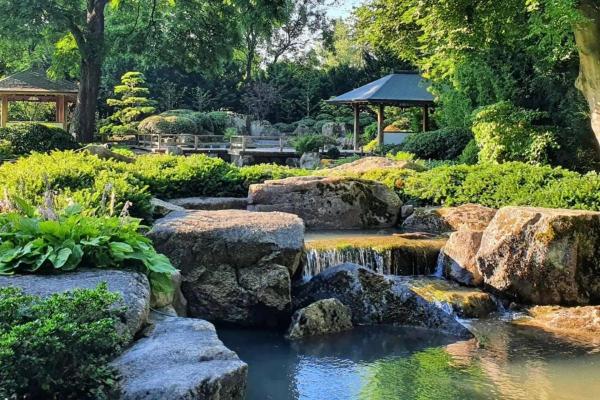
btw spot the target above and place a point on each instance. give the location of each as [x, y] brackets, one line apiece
[131, 107]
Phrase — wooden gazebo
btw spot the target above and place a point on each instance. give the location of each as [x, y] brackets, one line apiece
[34, 86]
[404, 89]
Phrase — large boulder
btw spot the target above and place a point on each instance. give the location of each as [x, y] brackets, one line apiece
[581, 324]
[181, 359]
[458, 258]
[366, 164]
[449, 219]
[132, 286]
[329, 202]
[236, 265]
[543, 256]
[211, 203]
[320, 318]
[334, 129]
[310, 160]
[374, 298]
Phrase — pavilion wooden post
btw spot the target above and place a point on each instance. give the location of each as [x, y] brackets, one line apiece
[380, 127]
[4, 112]
[425, 118]
[61, 111]
[356, 125]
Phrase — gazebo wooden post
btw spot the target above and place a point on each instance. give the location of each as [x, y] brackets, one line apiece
[4, 111]
[380, 127]
[356, 107]
[61, 111]
[425, 118]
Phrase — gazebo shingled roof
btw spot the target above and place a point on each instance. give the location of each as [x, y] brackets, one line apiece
[36, 82]
[33, 85]
[404, 89]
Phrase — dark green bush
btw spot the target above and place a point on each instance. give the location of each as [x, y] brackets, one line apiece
[25, 138]
[220, 121]
[443, 144]
[307, 122]
[59, 347]
[311, 143]
[175, 124]
[470, 154]
[324, 117]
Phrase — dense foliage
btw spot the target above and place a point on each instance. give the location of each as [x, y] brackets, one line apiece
[59, 347]
[46, 240]
[443, 144]
[25, 138]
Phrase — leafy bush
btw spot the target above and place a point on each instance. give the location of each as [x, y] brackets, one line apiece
[498, 185]
[220, 121]
[505, 132]
[6, 149]
[59, 347]
[26, 138]
[259, 173]
[76, 177]
[307, 122]
[443, 144]
[470, 154]
[168, 124]
[333, 152]
[369, 133]
[284, 128]
[311, 143]
[44, 240]
[324, 117]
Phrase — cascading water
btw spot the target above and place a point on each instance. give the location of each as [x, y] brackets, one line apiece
[318, 260]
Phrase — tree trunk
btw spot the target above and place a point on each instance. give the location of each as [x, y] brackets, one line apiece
[587, 37]
[91, 47]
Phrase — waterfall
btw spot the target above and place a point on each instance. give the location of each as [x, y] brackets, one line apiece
[318, 260]
[439, 266]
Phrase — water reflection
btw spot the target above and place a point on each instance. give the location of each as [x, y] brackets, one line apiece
[384, 362]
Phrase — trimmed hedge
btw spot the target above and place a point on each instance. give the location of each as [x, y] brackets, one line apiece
[186, 122]
[443, 144]
[25, 138]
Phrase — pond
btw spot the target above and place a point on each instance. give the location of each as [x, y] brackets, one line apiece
[389, 363]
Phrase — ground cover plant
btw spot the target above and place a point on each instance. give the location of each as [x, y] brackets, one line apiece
[59, 347]
[44, 240]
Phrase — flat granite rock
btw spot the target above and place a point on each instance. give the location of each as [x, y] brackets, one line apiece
[211, 203]
[133, 286]
[181, 359]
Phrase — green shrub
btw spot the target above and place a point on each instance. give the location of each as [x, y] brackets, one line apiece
[499, 185]
[284, 128]
[505, 132]
[311, 143]
[6, 149]
[25, 138]
[470, 154]
[259, 173]
[46, 240]
[307, 122]
[79, 177]
[443, 144]
[324, 117]
[168, 125]
[333, 152]
[369, 133]
[220, 120]
[319, 125]
[59, 347]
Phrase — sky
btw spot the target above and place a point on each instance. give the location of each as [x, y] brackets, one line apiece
[344, 8]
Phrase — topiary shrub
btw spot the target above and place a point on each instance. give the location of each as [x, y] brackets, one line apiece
[220, 121]
[25, 138]
[324, 117]
[168, 125]
[59, 347]
[307, 122]
[443, 144]
[505, 132]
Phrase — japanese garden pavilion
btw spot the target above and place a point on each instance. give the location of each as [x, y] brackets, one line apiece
[34, 86]
[404, 90]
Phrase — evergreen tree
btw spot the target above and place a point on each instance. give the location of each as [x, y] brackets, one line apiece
[131, 106]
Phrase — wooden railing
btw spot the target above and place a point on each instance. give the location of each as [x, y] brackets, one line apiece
[184, 141]
[264, 143]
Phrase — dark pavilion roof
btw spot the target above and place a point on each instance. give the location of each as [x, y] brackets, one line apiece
[405, 88]
[35, 82]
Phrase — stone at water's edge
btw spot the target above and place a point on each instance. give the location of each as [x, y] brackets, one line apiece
[581, 324]
[181, 359]
[236, 265]
[448, 219]
[375, 298]
[320, 318]
[458, 258]
[329, 202]
[310, 160]
[161, 208]
[543, 256]
[132, 286]
[211, 203]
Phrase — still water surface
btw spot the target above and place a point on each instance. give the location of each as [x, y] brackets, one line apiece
[389, 363]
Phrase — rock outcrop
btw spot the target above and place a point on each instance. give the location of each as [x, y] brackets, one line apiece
[581, 324]
[374, 298]
[181, 359]
[211, 203]
[310, 160]
[449, 219]
[329, 202]
[132, 286]
[542, 256]
[236, 265]
[320, 318]
[458, 258]
[161, 208]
